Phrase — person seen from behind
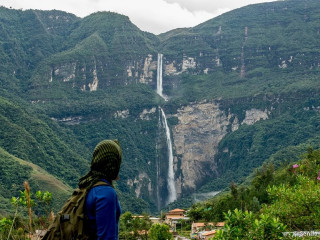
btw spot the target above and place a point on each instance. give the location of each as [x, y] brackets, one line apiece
[102, 207]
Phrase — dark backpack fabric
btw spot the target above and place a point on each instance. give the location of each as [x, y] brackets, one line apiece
[69, 223]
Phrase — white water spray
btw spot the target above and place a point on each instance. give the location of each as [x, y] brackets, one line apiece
[159, 75]
[172, 193]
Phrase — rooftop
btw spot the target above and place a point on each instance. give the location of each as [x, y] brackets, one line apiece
[209, 233]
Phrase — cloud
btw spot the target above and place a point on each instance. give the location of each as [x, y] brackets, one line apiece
[154, 16]
[165, 16]
[157, 16]
[213, 5]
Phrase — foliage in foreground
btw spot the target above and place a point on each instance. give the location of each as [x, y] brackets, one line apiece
[244, 225]
[298, 206]
[32, 211]
[286, 198]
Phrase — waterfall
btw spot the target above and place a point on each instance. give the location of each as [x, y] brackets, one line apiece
[172, 194]
[158, 169]
[159, 75]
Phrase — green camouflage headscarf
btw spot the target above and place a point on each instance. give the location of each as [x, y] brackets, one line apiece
[105, 163]
[106, 158]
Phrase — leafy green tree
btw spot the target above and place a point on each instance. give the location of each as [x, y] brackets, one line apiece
[145, 225]
[160, 232]
[141, 226]
[196, 212]
[244, 225]
[298, 205]
[37, 206]
[263, 177]
[132, 227]
[125, 226]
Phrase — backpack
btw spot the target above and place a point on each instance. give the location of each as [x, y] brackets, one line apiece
[69, 222]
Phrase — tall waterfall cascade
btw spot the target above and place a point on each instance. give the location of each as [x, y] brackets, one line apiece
[158, 171]
[159, 75]
[172, 193]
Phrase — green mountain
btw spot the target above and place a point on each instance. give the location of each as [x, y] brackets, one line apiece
[240, 88]
[15, 171]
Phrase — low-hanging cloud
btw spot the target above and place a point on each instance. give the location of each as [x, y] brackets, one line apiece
[213, 5]
[154, 16]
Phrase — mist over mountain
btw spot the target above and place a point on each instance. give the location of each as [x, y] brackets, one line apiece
[237, 89]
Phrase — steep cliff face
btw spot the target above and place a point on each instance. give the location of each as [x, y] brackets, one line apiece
[196, 137]
[143, 71]
[93, 72]
[142, 181]
[201, 126]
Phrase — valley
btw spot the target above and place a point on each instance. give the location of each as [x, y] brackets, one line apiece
[194, 109]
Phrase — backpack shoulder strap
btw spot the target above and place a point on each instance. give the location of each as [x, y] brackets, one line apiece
[101, 183]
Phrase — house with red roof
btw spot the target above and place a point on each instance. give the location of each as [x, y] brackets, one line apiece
[174, 216]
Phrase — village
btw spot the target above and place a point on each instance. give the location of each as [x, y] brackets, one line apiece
[182, 228]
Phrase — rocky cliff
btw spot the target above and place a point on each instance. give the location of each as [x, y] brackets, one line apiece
[200, 128]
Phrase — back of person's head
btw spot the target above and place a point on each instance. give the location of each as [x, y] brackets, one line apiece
[106, 158]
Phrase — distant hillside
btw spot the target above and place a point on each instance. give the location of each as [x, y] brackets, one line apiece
[30, 138]
[267, 48]
[15, 171]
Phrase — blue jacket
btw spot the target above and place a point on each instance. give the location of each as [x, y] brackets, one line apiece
[103, 210]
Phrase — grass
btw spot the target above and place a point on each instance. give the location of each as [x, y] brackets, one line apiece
[41, 179]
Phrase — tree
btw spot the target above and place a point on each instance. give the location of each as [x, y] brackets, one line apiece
[38, 216]
[244, 225]
[160, 232]
[125, 226]
[298, 206]
[134, 227]
[196, 212]
[145, 225]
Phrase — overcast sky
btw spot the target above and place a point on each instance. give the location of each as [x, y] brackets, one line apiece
[155, 16]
